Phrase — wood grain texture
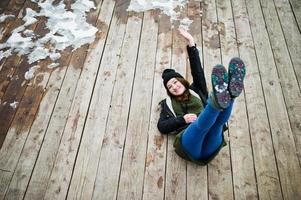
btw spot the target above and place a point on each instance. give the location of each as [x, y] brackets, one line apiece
[296, 7]
[291, 33]
[243, 173]
[286, 73]
[176, 167]
[264, 157]
[197, 187]
[219, 169]
[133, 162]
[282, 136]
[154, 177]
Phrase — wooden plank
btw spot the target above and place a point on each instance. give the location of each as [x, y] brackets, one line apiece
[219, 170]
[6, 27]
[43, 166]
[6, 75]
[62, 171]
[154, 176]
[12, 85]
[18, 132]
[99, 176]
[12, 9]
[45, 162]
[106, 183]
[18, 184]
[296, 5]
[133, 162]
[285, 150]
[268, 184]
[243, 173]
[17, 122]
[22, 175]
[8, 68]
[197, 187]
[285, 69]
[3, 5]
[291, 33]
[176, 167]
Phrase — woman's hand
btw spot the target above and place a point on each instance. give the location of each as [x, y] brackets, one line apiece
[189, 118]
[187, 36]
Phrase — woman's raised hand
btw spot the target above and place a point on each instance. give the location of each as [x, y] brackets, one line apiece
[187, 36]
[189, 118]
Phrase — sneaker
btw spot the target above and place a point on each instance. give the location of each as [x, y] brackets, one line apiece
[237, 72]
[220, 79]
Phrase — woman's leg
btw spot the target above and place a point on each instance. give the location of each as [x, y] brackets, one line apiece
[214, 138]
[193, 137]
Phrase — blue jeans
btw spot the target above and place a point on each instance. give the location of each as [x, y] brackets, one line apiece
[204, 136]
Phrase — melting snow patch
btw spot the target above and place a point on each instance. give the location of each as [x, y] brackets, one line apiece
[185, 23]
[66, 28]
[4, 17]
[53, 65]
[30, 73]
[14, 104]
[167, 6]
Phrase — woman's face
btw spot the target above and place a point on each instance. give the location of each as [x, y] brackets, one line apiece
[175, 87]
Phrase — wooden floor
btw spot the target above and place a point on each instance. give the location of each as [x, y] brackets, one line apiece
[87, 130]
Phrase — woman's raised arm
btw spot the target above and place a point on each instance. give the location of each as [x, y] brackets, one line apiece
[197, 71]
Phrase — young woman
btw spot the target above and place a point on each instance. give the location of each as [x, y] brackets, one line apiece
[196, 119]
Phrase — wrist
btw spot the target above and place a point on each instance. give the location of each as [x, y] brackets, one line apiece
[191, 43]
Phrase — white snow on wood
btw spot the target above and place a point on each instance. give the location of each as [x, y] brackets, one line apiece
[3, 17]
[185, 23]
[166, 6]
[14, 104]
[53, 65]
[66, 28]
[30, 73]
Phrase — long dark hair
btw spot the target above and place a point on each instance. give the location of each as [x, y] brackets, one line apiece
[185, 96]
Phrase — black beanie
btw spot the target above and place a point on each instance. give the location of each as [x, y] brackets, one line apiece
[169, 74]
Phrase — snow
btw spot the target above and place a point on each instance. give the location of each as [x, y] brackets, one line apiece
[66, 28]
[3, 17]
[185, 23]
[30, 17]
[53, 65]
[38, 53]
[5, 54]
[166, 6]
[30, 73]
[54, 56]
[14, 104]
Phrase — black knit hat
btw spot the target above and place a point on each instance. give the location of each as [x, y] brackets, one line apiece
[169, 74]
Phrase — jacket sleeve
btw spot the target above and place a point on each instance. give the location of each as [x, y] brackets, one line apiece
[168, 124]
[197, 71]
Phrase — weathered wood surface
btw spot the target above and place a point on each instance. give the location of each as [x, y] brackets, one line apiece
[196, 176]
[12, 81]
[154, 176]
[133, 162]
[296, 6]
[286, 73]
[176, 167]
[268, 184]
[282, 137]
[91, 133]
[219, 170]
[291, 33]
[101, 120]
[244, 182]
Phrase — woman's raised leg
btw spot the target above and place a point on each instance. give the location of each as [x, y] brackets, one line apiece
[194, 135]
[214, 138]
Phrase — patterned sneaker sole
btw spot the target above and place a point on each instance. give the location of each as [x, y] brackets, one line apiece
[219, 79]
[237, 72]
